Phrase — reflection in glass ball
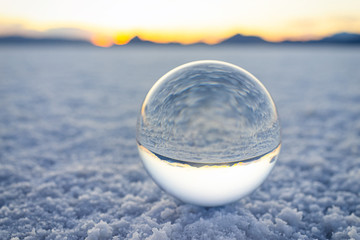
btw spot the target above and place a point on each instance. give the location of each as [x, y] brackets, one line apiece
[208, 133]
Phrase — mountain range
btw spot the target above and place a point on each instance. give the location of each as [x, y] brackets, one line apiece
[238, 39]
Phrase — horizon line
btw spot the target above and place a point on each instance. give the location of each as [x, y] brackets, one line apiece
[110, 42]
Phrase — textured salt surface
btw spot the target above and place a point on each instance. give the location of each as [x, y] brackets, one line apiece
[69, 167]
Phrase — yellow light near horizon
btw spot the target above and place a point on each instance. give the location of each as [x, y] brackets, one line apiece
[167, 37]
[187, 36]
[122, 38]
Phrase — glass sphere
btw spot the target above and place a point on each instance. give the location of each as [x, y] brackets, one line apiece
[208, 133]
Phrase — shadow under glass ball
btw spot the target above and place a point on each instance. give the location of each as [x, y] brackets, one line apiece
[208, 133]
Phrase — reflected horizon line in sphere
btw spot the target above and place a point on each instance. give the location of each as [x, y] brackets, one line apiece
[207, 113]
[208, 185]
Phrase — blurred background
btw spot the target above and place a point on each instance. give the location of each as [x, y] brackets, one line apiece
[113, 22]
[73, 75]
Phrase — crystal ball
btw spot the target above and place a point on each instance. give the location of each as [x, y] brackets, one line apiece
[208, 133]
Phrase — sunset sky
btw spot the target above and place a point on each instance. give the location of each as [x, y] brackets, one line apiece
[110, 22]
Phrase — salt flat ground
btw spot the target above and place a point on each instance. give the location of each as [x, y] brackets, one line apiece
[69, 167]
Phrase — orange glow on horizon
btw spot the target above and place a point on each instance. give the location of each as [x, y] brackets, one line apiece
[108, 40]
[167, 37]
[101, 41]
[186, 36]
[297, 29]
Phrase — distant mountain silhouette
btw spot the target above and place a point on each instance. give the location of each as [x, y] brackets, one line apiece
[348, 38]
[338, 38]
[137, 40]
[239, 39]
[41, 41]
